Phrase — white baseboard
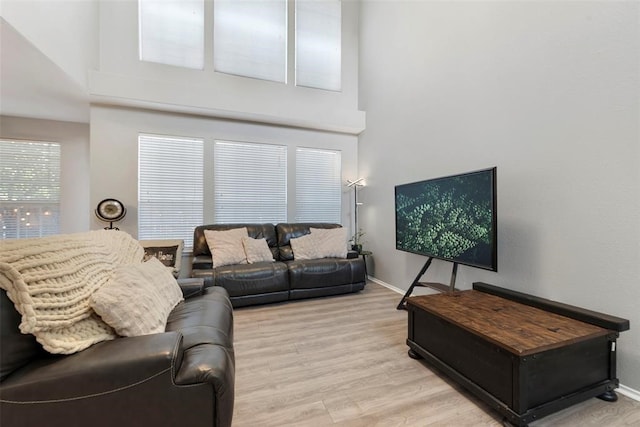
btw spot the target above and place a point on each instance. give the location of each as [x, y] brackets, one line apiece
[386, 285]
[627, 391]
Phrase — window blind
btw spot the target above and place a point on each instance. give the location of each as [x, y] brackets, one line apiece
[319, 44]
[250, 182]
[29, 189]
[318, 185]
[172, 32]
[250, 38]
[170, 187]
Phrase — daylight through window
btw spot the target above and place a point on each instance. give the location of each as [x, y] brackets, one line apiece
[250, 182]
[29, 189]
[250, 38]
[171, 187]
[318, 185]
[319, 44]
[172, 32]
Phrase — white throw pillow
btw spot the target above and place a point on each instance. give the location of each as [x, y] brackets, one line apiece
[320, 243]
[304, 247]
[138, 298]
[331, 242]
[257, 250]
[226, 246]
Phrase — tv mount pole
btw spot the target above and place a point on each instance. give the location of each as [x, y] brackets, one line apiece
[437, 286]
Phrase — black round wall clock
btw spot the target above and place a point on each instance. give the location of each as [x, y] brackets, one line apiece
[110, 210]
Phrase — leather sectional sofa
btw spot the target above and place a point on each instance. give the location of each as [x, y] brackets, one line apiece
[282, 280]
[184, 376]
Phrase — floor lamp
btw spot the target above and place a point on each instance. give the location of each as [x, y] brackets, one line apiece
[355, 184]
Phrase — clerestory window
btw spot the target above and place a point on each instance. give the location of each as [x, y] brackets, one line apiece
[250, 38]
[172, 32]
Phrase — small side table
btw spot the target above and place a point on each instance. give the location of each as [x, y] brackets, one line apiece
[364, 255]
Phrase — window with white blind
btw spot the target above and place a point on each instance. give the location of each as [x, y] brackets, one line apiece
[29, 189]
[250, 38]
[172, 32]
[318, 185]
[170, 187]
[250, 182]
[319, 44]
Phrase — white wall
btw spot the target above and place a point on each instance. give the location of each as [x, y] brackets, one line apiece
[75, 210]
[130, 96]
[100, 38]
[546, 91]
[63, 30]
[114, 151]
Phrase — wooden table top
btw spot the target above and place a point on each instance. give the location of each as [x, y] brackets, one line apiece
[518, 328]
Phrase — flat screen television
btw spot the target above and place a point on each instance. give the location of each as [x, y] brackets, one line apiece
[452, 218]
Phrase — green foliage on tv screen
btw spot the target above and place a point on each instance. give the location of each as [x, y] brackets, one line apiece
[446, 218]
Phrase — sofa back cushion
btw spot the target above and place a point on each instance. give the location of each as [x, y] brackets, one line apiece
[288, 231]
[16, 348]
[256, 231]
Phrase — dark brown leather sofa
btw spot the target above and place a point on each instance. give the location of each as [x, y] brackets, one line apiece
[282, 280]
[183, 377]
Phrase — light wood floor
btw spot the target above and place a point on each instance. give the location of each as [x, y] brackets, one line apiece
[342, 361]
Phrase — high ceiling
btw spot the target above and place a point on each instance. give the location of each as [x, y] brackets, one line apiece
[31, 85]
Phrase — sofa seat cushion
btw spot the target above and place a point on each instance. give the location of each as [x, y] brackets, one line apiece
[252, 279]
[326, 272]
[205, 319]
[202, 262]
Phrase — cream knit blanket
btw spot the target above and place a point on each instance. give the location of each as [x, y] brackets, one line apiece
[50, 281]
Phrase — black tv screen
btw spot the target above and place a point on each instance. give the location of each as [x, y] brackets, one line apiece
[451, 218]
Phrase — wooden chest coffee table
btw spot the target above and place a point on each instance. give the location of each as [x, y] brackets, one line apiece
[526, 357]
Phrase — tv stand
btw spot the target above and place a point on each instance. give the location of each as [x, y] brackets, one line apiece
[437, 286]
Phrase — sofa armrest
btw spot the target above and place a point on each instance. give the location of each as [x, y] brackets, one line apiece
[106, 367]
[191, 287]
[124, 382]
[211, 364]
